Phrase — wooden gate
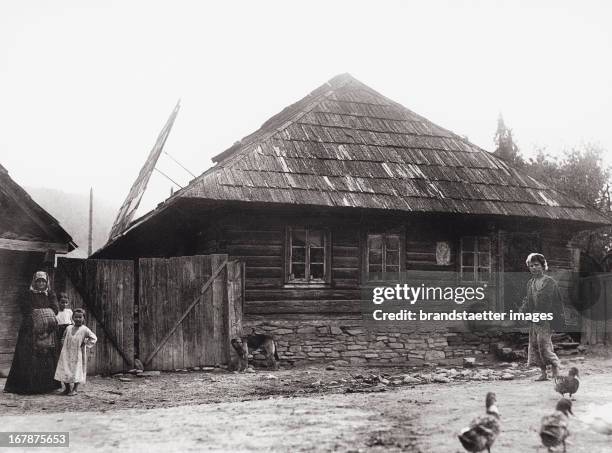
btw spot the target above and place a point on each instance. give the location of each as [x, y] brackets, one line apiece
[175, 313]
[105, 289]
[188, 309]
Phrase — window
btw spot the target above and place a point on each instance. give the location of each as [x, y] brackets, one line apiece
[308, 255]
[475, 259]
[383, 257]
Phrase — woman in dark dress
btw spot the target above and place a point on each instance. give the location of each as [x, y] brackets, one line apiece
[35, 357]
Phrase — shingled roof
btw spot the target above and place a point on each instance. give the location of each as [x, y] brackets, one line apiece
[23, 220]
[345, 145]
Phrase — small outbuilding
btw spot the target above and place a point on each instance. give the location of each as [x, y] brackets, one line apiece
[346, 189]
[29, 239]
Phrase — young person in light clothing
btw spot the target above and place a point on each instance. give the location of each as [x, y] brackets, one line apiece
[72, 364]
[64, 319]
[542, 297]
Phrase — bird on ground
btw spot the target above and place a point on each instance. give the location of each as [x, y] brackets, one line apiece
[483, 430]
[568, 384]
[554, 429]
[599, 418]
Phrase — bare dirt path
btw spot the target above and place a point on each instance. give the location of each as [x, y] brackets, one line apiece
[422, 418]
[300, 424]
[521, 404]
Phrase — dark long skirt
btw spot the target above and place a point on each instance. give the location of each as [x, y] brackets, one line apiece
[31, 371]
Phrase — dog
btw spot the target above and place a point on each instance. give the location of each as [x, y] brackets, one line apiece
[254, 342]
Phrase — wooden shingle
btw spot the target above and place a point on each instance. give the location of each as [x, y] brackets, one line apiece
[345, 145]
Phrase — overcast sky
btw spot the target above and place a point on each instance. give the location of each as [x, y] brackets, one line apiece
[85, 87]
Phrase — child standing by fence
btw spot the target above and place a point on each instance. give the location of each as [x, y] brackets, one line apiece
[64, 319]
[72, 364]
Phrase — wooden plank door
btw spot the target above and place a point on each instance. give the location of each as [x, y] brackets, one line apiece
[105, 289]
[179, 325]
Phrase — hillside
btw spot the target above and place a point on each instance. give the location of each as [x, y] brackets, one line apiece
[72, 211]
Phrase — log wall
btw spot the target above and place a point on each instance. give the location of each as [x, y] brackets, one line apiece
[257, 236]
[259, 241]
[16, 270]
[324, 322]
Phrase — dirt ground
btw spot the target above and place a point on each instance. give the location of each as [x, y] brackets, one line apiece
[304, 409]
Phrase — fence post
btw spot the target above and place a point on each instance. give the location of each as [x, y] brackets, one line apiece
[234, 301]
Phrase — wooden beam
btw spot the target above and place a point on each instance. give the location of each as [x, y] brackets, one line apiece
[32, 246]
[184, 315]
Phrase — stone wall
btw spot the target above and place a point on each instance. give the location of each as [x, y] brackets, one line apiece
[352, 344]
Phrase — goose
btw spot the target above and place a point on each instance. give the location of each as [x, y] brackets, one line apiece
[554, 428]
[568, 384]
[483, 430]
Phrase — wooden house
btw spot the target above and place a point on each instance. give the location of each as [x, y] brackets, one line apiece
[342, 187]
[29, 240]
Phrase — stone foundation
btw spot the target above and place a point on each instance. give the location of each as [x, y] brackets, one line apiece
[352, 344]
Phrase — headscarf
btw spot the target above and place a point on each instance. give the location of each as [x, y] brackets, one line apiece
[40, 275]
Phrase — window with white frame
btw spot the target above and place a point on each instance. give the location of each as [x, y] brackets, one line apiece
[307, 255]
[475, 259]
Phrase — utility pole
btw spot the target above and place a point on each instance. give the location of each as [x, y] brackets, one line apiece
[90, 236]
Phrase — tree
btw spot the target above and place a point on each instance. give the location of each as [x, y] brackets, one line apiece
[505, 146]
[580, 173]
[585, 176]
[545, 168]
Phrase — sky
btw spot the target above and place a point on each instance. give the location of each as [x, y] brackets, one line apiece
[85, 87]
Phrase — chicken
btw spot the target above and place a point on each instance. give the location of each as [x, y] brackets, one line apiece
[483, 430]
[568, 384]
[599, 418]
[554, 428]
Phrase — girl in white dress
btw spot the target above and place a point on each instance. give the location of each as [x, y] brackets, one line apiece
[72, 364]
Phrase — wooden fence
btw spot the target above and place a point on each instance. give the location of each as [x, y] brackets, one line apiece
[105, 289]
[596, 294]
[172, 314]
